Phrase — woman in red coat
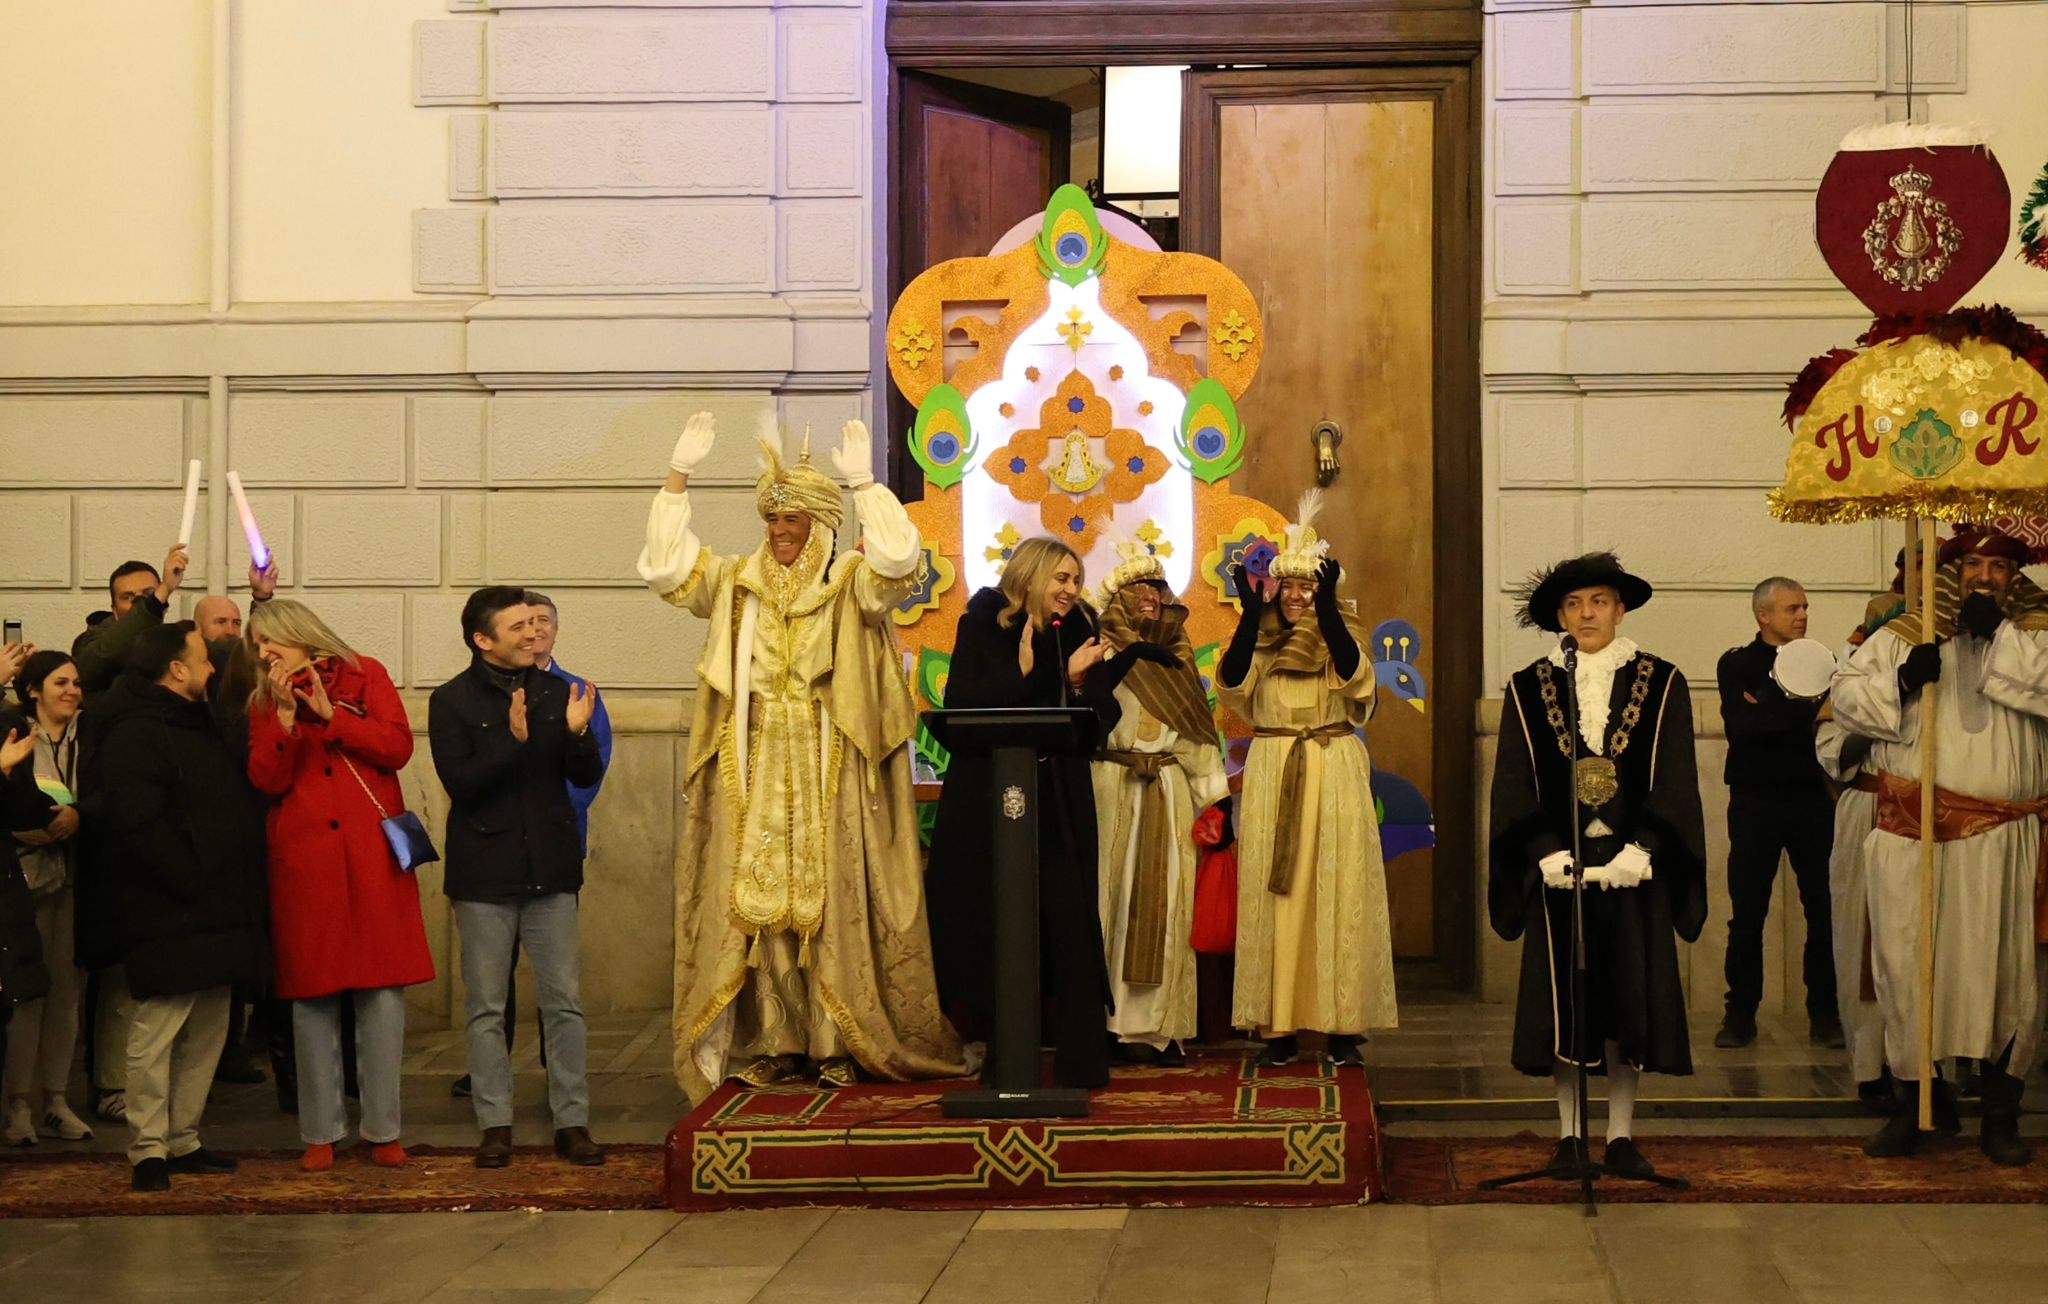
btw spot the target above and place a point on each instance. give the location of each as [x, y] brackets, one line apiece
[327, 737]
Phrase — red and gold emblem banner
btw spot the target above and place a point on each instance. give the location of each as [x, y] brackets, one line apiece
[1912, 230]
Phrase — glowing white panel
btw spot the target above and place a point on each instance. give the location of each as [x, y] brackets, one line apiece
[1141, 131]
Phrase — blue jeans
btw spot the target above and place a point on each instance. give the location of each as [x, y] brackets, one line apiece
[546, 929]
[380, 1047]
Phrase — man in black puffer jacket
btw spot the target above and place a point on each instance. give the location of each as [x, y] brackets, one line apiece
[184, 907]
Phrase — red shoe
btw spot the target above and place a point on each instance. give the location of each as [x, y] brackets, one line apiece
[317, 1159]
[389, 1155]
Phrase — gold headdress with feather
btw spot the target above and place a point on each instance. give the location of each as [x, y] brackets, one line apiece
[798, 488]
[1304, 551]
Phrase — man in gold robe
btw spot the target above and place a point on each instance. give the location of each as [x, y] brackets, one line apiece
[800, 932]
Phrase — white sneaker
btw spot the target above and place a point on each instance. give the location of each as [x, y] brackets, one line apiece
[21, 1124]
[61, 1123]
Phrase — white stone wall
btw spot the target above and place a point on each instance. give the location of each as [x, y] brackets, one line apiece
[442, 280]
[1651, 285]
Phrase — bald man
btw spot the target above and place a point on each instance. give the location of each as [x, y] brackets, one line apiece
[218, 618]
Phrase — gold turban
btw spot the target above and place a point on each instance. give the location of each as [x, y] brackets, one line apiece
[800, 488]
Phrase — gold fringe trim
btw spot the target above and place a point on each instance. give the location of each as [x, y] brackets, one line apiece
[1958, 507]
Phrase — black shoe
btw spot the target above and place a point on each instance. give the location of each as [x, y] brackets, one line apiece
[151, 1175]
[460, 1089]
[1571, 1153]
[203, 1163]
[1899, 1138]
[1173, 1057]
[1737, 1031]
[1135, 1053]
[1347, 1052]
[1877, 1096]
[1947, 1122]
[1279, 1053]
[574, 1144]
[235, 1069]
[1624, 1160]
[1826, 1031]
[495, 1150]
[1999, 1138]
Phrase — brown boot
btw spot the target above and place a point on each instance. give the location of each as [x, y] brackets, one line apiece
[574, 1144]
[495, 1151]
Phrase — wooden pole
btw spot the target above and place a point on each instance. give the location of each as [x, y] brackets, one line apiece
[1912, 576]
[1927, 730]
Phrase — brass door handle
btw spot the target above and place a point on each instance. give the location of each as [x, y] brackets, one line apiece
[1325, 436]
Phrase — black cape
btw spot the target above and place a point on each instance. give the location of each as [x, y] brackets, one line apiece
[958, 887]
[1633, 993]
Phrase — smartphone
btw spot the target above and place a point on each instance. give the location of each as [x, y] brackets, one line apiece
[10, 632]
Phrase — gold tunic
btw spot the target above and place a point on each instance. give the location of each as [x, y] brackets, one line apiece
[1321, 956]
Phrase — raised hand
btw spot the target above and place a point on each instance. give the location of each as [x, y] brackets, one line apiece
[284, 697]
[1248, 591]
[1027, 657]
[1084, 657]
[175, 562]
[16, 749]
[263, 580]
[582, 705]
[854, 459]
[13, 656]
[694, 444]
[316, 699]
[518, 717]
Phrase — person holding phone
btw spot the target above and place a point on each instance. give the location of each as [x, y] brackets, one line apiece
[327, 738]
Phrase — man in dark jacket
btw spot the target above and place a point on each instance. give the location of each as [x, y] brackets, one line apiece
[138, 597]
[184, 911]
[509, 741]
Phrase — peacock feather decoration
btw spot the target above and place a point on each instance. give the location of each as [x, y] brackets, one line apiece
[1211, 438]
[942, 440]
[1071, 245]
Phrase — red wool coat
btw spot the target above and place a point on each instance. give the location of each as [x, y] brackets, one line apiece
[345, 917]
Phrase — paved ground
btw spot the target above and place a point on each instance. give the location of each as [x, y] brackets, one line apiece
[1445, 1055]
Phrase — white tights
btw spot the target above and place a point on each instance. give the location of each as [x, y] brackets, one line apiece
[1622, 1078]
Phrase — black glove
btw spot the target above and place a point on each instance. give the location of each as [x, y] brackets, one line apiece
[1922, 667]
[1152, 652]
[1330, 618]
[1237, 658]
[1981, 615]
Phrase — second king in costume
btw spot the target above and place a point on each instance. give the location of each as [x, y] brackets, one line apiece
[800, 914]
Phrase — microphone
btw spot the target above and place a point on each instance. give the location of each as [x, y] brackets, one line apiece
[1059, 642]
[1570, 646]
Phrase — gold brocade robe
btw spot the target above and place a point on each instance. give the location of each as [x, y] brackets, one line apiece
[800, 915]
[1321, 957]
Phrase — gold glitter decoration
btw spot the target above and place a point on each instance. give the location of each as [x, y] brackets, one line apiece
[1007, 539]
[913, 343]
[1235, 335]
[1076, 330]
[1145, 408]
[1007, 409]
[1031, 373]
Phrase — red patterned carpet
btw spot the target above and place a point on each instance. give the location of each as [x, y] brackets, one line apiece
[1722, 1170]
[1216, 1132]
[84, 1185]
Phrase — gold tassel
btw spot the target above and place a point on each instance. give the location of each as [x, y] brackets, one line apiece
[756, 959]
[803, 954]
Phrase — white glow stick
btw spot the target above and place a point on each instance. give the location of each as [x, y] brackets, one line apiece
[258, 554]
[191, 504]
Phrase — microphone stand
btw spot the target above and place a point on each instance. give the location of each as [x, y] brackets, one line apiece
[1581, 1167]
[1059, 642]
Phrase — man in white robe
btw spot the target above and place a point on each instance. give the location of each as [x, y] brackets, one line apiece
[1990, 658]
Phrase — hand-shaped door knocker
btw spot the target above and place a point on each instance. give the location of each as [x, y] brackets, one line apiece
[1326, 436]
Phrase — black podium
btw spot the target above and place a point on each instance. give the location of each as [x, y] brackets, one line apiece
[1014, 738]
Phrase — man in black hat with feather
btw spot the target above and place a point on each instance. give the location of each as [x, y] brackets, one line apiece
[1642, 843]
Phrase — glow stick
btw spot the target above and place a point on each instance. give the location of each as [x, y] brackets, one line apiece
[191, 504]
[258, 554]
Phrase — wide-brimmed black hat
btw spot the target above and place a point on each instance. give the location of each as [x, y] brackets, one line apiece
[1545, 591]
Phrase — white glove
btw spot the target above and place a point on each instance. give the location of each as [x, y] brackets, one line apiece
[1629, 868]
[855, 457]
[1557, 870]
[694, 444]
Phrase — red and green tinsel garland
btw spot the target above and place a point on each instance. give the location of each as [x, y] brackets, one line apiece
[1995, 323]
[2034, 223]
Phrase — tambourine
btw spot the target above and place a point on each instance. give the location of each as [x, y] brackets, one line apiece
[1805, 668]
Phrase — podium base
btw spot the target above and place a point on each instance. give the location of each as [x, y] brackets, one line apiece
[1034, 1102]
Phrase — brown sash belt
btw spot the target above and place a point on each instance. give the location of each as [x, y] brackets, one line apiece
[1145, 929]
[1286, 817]
[1957, 816]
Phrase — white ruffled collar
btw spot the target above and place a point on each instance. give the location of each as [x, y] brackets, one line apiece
[1595, 686]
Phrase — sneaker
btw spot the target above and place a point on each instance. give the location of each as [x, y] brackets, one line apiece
[203, 1163]
[1347, 1052]
[61, 1123]
[151, 1175]
[1279, 1053]
[1737, 1031]
[112, 1105]
[460, 1088]
[21, 1124]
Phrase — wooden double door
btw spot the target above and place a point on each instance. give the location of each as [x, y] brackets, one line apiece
[1344, 198]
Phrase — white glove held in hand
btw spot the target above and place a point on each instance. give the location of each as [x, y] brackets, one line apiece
[1557, 870]
[1630, 866]
[854, 459]
[694, 444]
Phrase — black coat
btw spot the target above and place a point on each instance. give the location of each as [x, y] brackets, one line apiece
[1770, 735]
[180, 891]
[958, 886]
[512, 832]
[1633, 993]
[23, 807]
